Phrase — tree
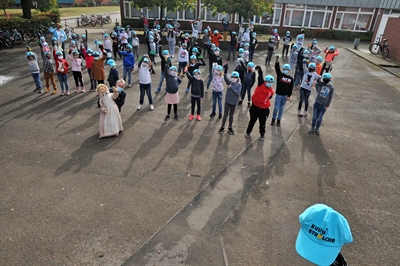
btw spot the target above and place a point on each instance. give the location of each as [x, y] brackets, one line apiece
[4, 4]
[26, 9]
[98, 2]
[246, 9]
[170, 5]
[44, 5]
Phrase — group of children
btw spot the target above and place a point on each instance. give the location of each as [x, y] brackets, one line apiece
[304, 68]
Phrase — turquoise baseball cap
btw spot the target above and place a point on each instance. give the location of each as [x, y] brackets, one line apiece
[323, 232]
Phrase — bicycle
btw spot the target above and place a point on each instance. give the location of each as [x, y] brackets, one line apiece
[380, 48]
[6, 41]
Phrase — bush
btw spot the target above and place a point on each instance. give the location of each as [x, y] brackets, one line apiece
[91, 4]
[114, 3]
[83, 5]
[37, 21]
[344, 35]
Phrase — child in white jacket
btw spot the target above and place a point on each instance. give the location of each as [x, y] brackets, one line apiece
[76, 63]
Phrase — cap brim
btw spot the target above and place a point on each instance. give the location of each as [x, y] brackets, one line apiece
[315, 253]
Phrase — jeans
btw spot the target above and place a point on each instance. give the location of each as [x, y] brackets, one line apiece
[229, 109]
[196, 101]
[232, 49]
[246, 88]
[181, 67]
[171, 48]
[261, 115]
[269, 56]
[209, 79]
[251, 54]
[145, 89]
[304, 94]
[63, 78]
[280, 101]
[318, 112]
[36, 78]
[298, 77]
[217, 95]
[162, 77]
[128, 71]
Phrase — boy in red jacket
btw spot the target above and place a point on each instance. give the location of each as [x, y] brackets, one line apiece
[215, 37]
[62, 71]
[89, 60]
[260, 103]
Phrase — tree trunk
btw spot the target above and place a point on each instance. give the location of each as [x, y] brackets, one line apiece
[26, 9]
[161, 14]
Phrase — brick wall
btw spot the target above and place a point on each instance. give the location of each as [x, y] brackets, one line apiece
[392, 33]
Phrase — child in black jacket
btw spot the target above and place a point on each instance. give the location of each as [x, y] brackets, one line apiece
[197, 92]
[194, 64]
[232, 46]
[248, 82]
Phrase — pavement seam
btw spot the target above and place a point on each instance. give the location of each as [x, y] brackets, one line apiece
[366, 59]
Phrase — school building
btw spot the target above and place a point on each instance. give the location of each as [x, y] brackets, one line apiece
[379, 16]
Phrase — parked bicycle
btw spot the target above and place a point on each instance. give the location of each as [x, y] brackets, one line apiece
[380, 48]
[14, 35]
[6, 41]
[85, 20]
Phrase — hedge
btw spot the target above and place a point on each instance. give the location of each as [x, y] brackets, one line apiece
[37, 21]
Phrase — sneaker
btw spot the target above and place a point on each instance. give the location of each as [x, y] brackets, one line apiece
[262, 137]
[198, 118]
[305, 113]
[272, 122]
[47, 90]
[40, 91]
[92, 89]
[221, 130]
[129, 85]
[228, 59]
[311, 131]
[206, 90]
[212, 114]
[54, 92]
[230, 131]
[151, 107]
[240, 102]
[139, 107]
[158, 90]
[187, 90]
[247, 135]
[220, 116]
[77, 90]
[176, 117]
[300, 113]
[278, 123]
[167, 118]
[191, 117]
[317, 132]
[248, 103]
[35, 90]
[67, 93]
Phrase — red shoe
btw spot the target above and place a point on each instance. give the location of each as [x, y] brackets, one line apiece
[198, 118]
[191, 117]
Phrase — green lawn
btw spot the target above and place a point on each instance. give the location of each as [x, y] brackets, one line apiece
[70, 11]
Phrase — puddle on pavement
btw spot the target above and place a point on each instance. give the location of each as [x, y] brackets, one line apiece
[5, 79]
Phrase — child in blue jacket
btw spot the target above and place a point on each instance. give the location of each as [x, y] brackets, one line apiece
[129, 63]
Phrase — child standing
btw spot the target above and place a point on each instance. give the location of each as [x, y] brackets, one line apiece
[253, 45]
[248, 82]
[314, 50]
[89, 60]
[232, 46]
[115, 44]
[214, 58]
[107, 43]
[77, 70]
[206, 43]
[196, 91]
[246, 53]
[217, 88]
[62, 71]
[183, 58]
[129, 63]
[305, 90]
[240, 65]
[259, 109]
[194, 64]
[34, 68]
[322, 101]
[300, 39]
[135, 44]
[97, 71]
[145, 81]
[330, 54]
[164, 56]
[152, 53]
[284, 88]
[293, 59]
[231, 99]
[48, 70]
[172, 96]
[286, 44]
[215, 37]
[113, 75]
[171, 39]
[318, 62]
[271, 49]
[195, 32]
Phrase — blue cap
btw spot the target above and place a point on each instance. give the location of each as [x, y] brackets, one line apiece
[145, 60]
[111, 62]
[323, 232]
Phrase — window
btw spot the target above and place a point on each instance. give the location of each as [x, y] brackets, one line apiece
[189, 14]
[135, 12]
[363, 22]
[312, 16]
[277, 16]
[317, 19]
[348, 9]
[257, 20]
[358, 19]
[287, 17]
[267, 19]
[348, 21]
[210, 17]
[297, 18]
[225, 16]
[154, 13]
[127, 8]
[171, 14]
[327, 20]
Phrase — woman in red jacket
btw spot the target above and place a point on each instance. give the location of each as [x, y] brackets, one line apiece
[260, 103]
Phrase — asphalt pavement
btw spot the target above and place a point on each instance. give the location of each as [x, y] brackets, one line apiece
[177, 192]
